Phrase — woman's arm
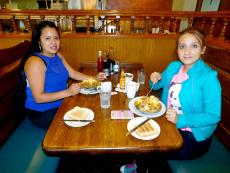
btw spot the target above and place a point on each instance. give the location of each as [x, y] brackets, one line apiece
[35, 71]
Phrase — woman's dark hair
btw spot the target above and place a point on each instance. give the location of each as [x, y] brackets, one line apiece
[35, 47]
[36, 34]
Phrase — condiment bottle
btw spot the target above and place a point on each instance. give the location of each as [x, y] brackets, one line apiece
[116, 67]
[122, 79]
[99, 62]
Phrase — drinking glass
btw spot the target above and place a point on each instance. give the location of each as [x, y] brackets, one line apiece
[105, 99]
[141, 73]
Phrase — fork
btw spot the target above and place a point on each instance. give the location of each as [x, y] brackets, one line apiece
[150, 91]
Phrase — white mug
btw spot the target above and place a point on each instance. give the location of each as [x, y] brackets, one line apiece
[131, 89]
[105, 87]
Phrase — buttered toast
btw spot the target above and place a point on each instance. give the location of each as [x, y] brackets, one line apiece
[146, 130]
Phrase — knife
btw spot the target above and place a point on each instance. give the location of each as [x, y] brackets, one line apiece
[139, 125]
[80, 120]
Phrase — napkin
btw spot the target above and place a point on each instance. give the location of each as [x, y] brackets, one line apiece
[122, 114]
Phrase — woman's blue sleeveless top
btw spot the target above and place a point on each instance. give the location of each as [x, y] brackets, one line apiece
[56, 77]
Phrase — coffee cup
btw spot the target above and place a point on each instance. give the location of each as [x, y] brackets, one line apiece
[105, 87]
[131, 89]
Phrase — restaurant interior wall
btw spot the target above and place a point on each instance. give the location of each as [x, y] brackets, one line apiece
[160, 5]
[156, 5]
[155, 54]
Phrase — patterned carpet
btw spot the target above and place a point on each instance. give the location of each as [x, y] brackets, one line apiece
[111, 164]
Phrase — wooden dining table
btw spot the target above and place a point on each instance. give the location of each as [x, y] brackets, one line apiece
[106, 135]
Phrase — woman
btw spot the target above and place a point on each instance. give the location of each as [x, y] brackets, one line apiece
[192, 93]
[46, 73]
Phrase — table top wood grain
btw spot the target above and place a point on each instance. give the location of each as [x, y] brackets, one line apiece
[106, 136]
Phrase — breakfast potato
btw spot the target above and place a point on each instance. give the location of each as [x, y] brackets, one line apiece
[90, 83]
[148, 104]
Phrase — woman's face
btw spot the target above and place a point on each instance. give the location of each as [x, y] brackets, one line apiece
[49, 41]
[189, 49]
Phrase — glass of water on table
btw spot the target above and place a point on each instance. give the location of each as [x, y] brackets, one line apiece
[141, 73]
[105, 94]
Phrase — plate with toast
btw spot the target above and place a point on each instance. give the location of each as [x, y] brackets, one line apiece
[78, 117]
[147, 131]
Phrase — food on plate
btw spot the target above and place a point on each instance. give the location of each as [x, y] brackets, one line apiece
[146, 130]
[78, 113]
[90, 83]
[148, 104]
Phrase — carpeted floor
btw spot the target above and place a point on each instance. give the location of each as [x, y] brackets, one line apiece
[111, 164]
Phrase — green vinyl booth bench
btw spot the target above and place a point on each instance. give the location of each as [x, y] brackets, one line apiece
[217, 159]
[20, 140]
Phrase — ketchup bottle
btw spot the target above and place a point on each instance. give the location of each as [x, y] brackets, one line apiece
[99, 62]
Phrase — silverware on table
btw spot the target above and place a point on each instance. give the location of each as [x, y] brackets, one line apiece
[150, 90]
[79, 120]
[139, 125]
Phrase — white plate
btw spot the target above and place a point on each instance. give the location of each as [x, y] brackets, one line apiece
[88, 91]
[133, 108]
[76, 123]
[133, 122]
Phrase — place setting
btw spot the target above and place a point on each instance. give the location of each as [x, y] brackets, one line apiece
[89, 86]
[146, 107]
[78, 117]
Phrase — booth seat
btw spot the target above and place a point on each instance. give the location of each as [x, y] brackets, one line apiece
[216, 160]
[22, 152]
[20, 140]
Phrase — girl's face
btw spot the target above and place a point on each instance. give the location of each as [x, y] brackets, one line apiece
[189, 49]
[49, 41]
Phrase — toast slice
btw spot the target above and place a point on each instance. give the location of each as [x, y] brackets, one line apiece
[78, 114]
[146, 130]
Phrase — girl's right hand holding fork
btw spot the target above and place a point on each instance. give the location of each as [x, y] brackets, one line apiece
[155, 77]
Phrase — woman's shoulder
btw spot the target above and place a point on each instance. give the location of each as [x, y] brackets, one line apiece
[206, 69]
[35, 60]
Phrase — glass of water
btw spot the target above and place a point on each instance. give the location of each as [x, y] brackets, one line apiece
[141, 73]
[105, 99]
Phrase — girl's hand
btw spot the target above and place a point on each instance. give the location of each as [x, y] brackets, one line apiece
[155, 77]
[171, 115]
[73, 89]
[100, 76]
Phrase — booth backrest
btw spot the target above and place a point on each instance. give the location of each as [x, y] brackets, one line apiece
[9, 88]
[219, 59]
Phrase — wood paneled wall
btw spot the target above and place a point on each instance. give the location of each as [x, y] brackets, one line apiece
[155, 5]
[154, 53]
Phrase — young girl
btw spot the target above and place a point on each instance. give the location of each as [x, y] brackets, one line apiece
[46, 72]
[192, 93]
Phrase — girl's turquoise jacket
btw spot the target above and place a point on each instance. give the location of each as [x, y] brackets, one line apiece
[200, 98]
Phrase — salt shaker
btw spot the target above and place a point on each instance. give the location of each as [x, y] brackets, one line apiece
[116, 67]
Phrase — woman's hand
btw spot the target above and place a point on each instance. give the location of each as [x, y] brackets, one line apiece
[100, 76]
[172, 115]
[73, 89]
[155, 77]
